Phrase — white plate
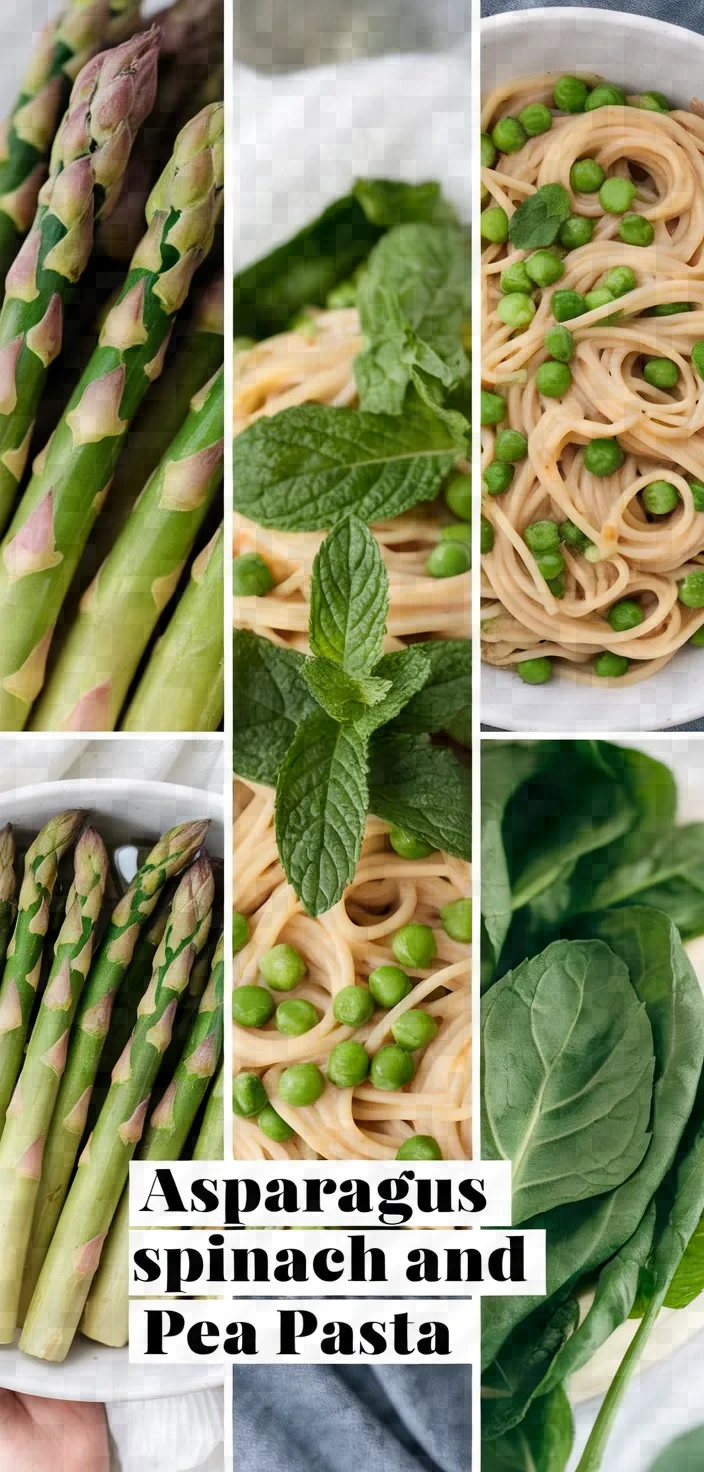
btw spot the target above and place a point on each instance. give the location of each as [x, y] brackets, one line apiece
[639, 54]
[122, 811]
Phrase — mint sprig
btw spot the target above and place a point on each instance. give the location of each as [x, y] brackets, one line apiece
[349, 598]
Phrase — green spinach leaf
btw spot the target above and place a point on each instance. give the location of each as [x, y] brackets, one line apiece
[542, 1442]
[506, 765]
[321, 810]
[515, 1378]
[423, 789]
[389, 202]
[685, 1454]
[349, 598]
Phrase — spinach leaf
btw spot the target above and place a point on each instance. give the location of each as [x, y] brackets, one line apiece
[349, 598]
[445, 701]
[270, 700]
[537, 220]
[676, 880]
[506, 765]
[619, 871]
[346, 698]
[685, 1454]
[405, 672]
[541, 1443]
[321, 810]
[568, 1066]
[516, 1376]
[305, 468]
[388, 202]
[688, 1281]
[421, 788]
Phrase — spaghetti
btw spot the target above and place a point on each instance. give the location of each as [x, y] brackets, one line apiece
[620, 548]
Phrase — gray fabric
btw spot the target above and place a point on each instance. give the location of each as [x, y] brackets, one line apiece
[313, 1418]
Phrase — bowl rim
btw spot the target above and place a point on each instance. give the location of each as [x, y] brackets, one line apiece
[612, 18]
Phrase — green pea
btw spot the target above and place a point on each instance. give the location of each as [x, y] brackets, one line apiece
[407, 846]
[458, 496]
[510, 445]
[553, 379]
[661, 372]
[273, 1126]
[457, 531]
[348, 1064]
[486, 535]
[698, 357]
[509, 135]
[497, 477]
[697, 639]
[536, 118]
[240, 931]
[448, 560]
[610, 666]
[566, 305]
[248, 1094]
[516, 310]
[516, 278]
[691, 590]
[559, 343]
[570, 94]
[550, 564]
[489, 153]
[542, 536]
[660, 497]
[573, 536]
[635, 230]
[586, 176]
[653, 102]
[697, 489]
[493, 224]
[556, 586]
[544, 268]
[282, 967]
[353, 1006]
[493, 408]
[457, 920]
[535, 671]
[671, 309]
[419, 1147]
[603, 456]
[392, 1067]
[619, 280]
[414, 945]
[414, 1029]
[626, 614]
[301, 1084]
[294, 1018]
[604, 96]
[389, 985]
[600, 296]
[576, 231]
[617, 195]
[250, 576]
[252, 1006]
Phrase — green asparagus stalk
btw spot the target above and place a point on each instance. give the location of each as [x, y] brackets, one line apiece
[106, 1314]
[169, 857]
[210, 1144]
[63, 47]
[30, 1109]
[74, 1254]
[41, 550]
[182, 688]
[130, 994]
[110, 99]
[24, 953]
[90, 680]
[8, 886]
[188, 1008]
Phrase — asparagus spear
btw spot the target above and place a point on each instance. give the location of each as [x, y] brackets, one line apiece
[63, 47]
[74, 1254]
[8, 886]
[90, 680]
[170, 856]
[110, 99]
[32, 1103]
[210, 1144]
[106, 1314]
[24, 953]
[182, 687]
[41, 550]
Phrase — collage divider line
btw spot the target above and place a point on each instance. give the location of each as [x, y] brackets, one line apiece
[475, 467]
[228, 517]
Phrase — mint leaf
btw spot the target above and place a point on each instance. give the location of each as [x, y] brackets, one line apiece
[305, 468]
[421, 788]
[321, 810]
[344, 698]
[431, 393]
[405, 672]
[388, 202]
[445, 701]
[349, 598]
[537, 220]
[270, 699]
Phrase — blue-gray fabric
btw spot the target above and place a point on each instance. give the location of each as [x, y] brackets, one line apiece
[320, 1418]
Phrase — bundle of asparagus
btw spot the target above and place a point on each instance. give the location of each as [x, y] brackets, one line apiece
[112, 430]
[55, 1217]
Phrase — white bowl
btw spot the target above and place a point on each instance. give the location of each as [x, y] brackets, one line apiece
[641, 55]
[122, 811]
